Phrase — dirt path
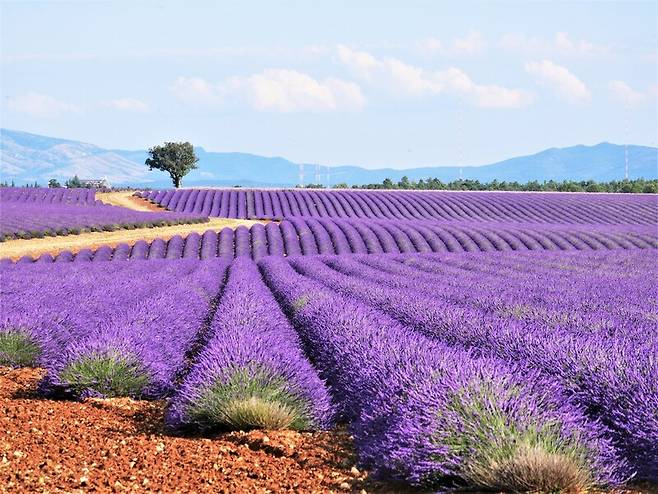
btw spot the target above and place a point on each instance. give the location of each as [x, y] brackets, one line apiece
[34, 247]
[127, 200]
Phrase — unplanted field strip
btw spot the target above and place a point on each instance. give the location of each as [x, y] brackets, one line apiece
[128, 200]
[34, 247]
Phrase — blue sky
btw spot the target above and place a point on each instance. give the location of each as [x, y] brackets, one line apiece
[374, 83]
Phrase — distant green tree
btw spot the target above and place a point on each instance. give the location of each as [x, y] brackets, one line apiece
[73, 183]
[54, 184]
[626, 187]
[175, 158]
[341, 185]
[404, 183]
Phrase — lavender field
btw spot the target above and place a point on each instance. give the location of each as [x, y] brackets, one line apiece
[27, 213]
[511, 349]
[413, 205]
[311, 236]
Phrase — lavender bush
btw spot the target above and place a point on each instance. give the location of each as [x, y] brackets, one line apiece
[426, 413]
[414, 205]
[23, 219]
[132, 346]
[86, 197]
[614, 379]
[309, 236]
[252, 372]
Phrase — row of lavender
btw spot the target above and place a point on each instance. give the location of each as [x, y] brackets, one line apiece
[22, 219]
[458, 384]
[86, 197]
[412, 205]
[325, 236]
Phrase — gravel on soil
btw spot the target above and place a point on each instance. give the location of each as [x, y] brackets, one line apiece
[119, 445]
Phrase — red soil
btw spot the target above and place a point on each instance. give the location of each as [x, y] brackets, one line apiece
[119, 445]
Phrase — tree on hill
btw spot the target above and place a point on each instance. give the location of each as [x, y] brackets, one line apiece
[175, 158]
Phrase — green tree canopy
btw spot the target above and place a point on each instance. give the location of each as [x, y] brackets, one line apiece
[175, 158]
[73, 183]
[53, 183]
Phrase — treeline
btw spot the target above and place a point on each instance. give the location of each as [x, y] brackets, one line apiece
[638, 185]
[72, 183]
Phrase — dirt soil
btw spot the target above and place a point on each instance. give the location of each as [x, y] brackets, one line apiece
[119, 445]
[34, 247]
[127, 200]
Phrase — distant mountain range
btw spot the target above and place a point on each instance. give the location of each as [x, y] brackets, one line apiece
[26, 158]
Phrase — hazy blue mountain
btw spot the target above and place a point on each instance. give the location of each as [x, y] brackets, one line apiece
[28, 157]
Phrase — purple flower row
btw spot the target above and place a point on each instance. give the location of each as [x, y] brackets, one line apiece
[428, 357]
[253, 357]
[86, 197]
[412, 205]
[424, 412]
[145, 327]
[133, 330]
[612, 375]
[36, 219]
[326, 236]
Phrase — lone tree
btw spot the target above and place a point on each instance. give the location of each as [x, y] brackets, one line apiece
[176, 158]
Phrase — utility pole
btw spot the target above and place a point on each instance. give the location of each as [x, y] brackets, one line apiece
[627, 110]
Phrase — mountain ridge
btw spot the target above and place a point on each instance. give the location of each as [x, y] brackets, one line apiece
[26, 158]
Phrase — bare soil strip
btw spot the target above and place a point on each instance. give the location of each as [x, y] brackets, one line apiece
[34, 247]
[119, 445]
[128, 200]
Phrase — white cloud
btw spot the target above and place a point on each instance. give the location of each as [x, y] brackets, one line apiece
[581, 47]
[405, 79]
[563, 82]
[471, 44]
[127, 104]
[289, 91]
[276, 90]
[485, 96]
[560, 44]
[196, 90]
[40, 105]
[624, 93]
[361, 62]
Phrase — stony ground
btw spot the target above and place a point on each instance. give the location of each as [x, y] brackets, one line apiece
[119, 445]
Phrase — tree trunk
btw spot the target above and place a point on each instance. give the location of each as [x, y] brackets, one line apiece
[176, 181]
